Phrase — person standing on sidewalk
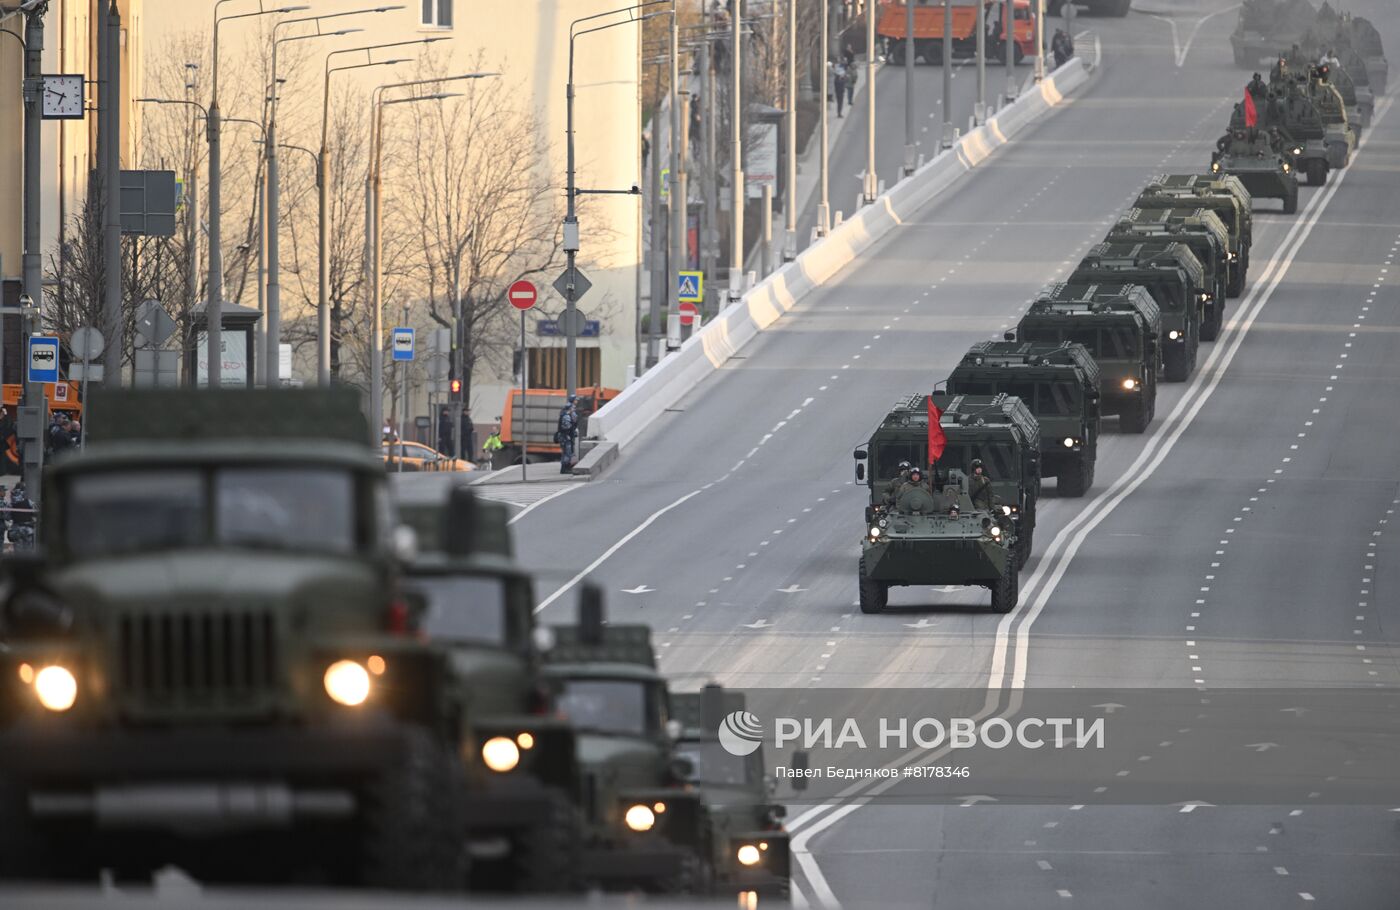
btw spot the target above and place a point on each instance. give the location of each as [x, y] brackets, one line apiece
[566, 435]
[838, 78]
[848, 58]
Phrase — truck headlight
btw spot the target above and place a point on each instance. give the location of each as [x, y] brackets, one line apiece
[1287, 167]
[1007, 510]
[639, 818]
[995, 532]
[347, 683]
[1215, 167]
[500, 754]
[748, 855]
[1234, 257]
[875, 532]
[1174, 335]
[1069, 442]
[1129, 384]
[56, 688]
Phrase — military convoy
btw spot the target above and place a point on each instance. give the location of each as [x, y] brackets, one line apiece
[1205, 235]
[1226, 197]
[1256, 157]
[230, 655]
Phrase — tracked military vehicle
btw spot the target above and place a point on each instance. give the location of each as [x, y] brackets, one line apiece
[469, 598]
[1059, 384]
[1174, 278]
[644, 825]
[750, 843]
[1206, 237]
[934, 536]
[1266, 26]
[1225, 196]
[1256, 157]
[207, 666]
[1120, 325]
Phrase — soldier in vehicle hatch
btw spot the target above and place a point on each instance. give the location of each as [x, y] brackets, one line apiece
[896, 482]
[979, 487]
[914, 482]
[1257, 88]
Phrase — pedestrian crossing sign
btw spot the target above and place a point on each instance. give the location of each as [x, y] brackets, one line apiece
[690, 287]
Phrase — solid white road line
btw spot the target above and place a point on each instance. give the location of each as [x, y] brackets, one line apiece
[539, 502]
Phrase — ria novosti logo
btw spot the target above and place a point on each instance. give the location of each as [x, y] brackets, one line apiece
[741, 733]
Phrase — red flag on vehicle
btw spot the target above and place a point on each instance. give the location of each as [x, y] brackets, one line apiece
[936, 439]
[1251, 113]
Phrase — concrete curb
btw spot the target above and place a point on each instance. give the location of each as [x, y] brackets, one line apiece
[627, 415]
[598, 459]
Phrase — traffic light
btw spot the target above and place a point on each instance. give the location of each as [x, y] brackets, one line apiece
[456, 388]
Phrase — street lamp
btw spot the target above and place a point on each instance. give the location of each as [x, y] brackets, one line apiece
[571, 235]
[274, 202]
[372, 235]
[323, 223]
[214, 308]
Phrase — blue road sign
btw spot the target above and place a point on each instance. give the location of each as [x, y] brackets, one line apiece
[43, 358]
[403, 344]
[690, 287]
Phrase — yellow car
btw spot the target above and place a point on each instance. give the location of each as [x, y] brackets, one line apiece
[414, 456]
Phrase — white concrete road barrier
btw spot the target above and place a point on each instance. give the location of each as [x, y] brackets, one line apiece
[623, 418]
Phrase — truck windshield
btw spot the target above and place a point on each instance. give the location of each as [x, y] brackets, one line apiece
[999, 461]
[714, 764]
[616, 706]
[307, 509]
[464, 608]
[886, 456]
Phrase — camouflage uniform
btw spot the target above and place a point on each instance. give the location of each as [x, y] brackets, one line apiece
[979, 487]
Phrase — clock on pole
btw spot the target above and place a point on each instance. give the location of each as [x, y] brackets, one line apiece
[63, 97]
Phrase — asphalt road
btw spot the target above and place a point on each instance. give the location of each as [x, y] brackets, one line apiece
[1243, 542]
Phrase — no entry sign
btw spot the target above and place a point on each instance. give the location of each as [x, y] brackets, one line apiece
[522, 295]
[689, 313]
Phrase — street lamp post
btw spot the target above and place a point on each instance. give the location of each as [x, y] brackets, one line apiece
[323, 225]
[736, 158]
[790, 189]
[571, 231]
[909, 153]
[214, 307]
[947, 135]
[824, 207]
[373, 221]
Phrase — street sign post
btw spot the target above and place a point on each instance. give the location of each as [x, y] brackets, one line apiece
[523, 296]
[403, 344]
[690, 287]
[86, 343]
[43, 358]
[690, 313]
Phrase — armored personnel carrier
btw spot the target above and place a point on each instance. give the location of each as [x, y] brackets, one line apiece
[1289, 109]
[929, 538]
[1256, 158]
[1225, 196]
[644, 825]
[1267, 26]
[1174, 278]
[750, 844]
[208, 666]
[1059, 383]
[1119, 324]
[1206, 237]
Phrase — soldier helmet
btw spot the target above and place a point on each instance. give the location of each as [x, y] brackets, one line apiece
[915, 469]
[904, 465]
[976, 463]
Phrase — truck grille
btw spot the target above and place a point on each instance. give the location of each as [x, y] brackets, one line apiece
[197, 659]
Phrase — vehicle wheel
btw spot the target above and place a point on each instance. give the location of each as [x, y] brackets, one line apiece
[873, 594]
[1134, 416]
[1025, 541]
[1290, 201]
[1176, 364]
[1236, 286]
[1075, 480]
[24, 852]
[1006, 591]
[1317, 172]
[1152, 397]
[546, 857]
[897, 52]
[411, 832]
[1193, 347]
[1215, 317]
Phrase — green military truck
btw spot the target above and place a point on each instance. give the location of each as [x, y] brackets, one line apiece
[998, 430]
[1059, 384]
[1120, 325]
[1256, 157]
[1206, 237]
[750, 843]
[209, 666]
[469, 598]
[1225, 196]
[644, 825]
[1174, 278]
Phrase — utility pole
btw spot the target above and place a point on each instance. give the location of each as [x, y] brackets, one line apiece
[458, 340]
[790, 189]
[1008, 40]
[1039, 40]
[872, 186]
[676, 233]
[658, 259]
[709, 235]
[192, 236]
[824, 206]
[909, 153]
[947, 140]
[736, 174]
[111, 219]
[30, 259]
[979, 106]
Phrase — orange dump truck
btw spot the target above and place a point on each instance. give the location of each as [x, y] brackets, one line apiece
[542, 408]
[929, 37]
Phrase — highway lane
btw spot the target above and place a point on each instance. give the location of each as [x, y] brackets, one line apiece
[753, 574]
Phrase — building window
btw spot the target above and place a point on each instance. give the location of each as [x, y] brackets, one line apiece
[437, 13]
